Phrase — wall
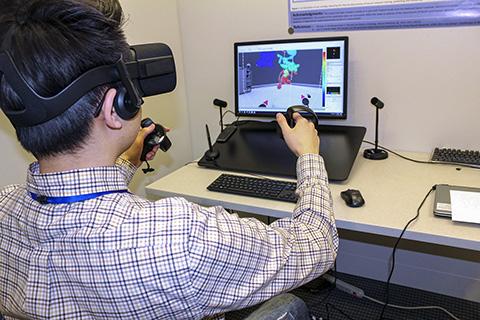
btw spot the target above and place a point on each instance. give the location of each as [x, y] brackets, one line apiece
[428, 78]
[157, 21]
[435, 272]
[14, 159]
[148, 21]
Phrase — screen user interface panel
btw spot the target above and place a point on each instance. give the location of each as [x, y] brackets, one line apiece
[270, 76]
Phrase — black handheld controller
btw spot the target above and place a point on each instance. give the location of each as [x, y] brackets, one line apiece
[157, 137]
[310, 114]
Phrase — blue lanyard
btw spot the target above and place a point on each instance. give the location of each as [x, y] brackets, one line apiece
[72, 199]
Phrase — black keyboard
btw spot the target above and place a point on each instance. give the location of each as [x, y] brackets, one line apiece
[456, 156]
[255, 187]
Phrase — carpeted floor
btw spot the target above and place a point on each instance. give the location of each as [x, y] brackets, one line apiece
[333, 304]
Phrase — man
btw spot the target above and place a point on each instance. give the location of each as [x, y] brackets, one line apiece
[75, 245]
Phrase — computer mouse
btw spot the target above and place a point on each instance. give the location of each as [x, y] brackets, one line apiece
[353, 198]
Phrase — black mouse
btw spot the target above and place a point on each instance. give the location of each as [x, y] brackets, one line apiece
[353, 198]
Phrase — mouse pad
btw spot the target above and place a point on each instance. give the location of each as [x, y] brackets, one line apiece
[256, 147]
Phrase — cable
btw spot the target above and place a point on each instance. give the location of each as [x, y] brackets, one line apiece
[413, 308]
[339, 310]
[229, 111]
[330, 290]
[425, 161]
[359, 293]
[395, 249]
[148, 168]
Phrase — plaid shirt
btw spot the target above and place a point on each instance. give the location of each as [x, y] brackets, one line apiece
[121, 256]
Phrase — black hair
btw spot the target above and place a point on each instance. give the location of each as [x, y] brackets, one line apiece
[52, 43]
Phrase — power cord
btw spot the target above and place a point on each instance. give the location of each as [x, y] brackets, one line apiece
[413, 308]
[424, 161]
[327, 305]
[387, 293]
[229, 111]
[359, 293]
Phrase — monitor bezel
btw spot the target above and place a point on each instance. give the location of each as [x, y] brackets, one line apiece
[320, 115]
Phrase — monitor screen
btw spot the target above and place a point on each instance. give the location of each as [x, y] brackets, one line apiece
[270, 76]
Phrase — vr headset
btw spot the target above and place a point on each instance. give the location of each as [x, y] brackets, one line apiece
[150, 72]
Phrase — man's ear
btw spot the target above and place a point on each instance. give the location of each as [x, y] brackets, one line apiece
[112, 120]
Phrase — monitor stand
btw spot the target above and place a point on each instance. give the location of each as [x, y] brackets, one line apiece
[256, 147]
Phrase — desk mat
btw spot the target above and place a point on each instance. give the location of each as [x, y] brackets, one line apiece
[256, 147]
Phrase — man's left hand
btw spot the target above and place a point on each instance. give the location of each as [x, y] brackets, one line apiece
[134, 152]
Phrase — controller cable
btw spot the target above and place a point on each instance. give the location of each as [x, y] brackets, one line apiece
[148, 168]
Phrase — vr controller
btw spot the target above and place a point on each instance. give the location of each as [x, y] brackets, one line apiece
[305, 111]
[157, 137]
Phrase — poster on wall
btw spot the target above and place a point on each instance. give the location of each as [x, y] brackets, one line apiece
[340, 15]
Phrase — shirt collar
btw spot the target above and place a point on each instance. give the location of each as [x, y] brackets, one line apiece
[74, 182]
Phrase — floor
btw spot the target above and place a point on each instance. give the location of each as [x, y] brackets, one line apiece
[325, 302]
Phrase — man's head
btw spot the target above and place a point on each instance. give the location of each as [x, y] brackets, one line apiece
[53, 42]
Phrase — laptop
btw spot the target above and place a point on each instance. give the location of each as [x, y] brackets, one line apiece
[442, 206]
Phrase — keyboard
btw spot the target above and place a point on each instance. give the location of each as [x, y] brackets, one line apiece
[456, 156]
[255, 187]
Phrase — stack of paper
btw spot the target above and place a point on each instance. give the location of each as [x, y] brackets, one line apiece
[465, 206]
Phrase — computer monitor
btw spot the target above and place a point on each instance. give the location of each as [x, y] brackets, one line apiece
[270, 76]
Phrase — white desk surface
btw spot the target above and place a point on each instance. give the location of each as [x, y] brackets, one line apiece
[393, 189]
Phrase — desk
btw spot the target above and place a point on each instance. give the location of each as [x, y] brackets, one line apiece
[442, 255]
[392, 188]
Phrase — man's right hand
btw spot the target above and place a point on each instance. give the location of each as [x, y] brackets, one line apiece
[301, 139]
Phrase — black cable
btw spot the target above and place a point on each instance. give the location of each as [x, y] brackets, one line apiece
[334, 285]
[339, 310]
[223, 115]
[424, 161]
[330, 288]
[148, 169]
[387, 291]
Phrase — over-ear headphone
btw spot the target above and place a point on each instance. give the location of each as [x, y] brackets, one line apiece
[150, 72]
[123, 104]
[301, 109]
[127, 101]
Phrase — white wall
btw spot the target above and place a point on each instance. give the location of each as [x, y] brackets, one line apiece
[157, 21]
[148, 21]
[428, 78]
[15, 160]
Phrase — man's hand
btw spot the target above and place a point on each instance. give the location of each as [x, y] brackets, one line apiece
[135, 151]
[301, 139]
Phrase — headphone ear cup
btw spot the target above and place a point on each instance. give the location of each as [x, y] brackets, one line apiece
[123, 104]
